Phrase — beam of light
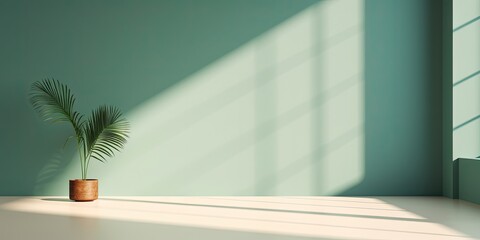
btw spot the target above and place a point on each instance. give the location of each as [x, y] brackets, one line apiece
[289, 216]
[466, 81]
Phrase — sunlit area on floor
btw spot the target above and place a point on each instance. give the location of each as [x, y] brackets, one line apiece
[263, 217]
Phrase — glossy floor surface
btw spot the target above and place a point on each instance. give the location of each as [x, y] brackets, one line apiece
[239, 218]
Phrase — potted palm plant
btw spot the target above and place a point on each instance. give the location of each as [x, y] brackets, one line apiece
[97, 137]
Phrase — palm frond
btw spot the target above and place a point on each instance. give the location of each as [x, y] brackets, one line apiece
[106, 131]
[54, 102]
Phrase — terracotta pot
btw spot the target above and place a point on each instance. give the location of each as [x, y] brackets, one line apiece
[84, 190]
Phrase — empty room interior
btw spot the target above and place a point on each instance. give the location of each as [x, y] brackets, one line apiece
[240, 119]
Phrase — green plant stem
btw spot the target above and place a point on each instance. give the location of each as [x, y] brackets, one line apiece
[85, 157]
[81, 159]
[87, 162]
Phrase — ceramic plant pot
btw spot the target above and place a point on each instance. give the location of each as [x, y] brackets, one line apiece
[83, 190]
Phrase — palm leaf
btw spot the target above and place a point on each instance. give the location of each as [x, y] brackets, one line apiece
[54, 102]
[106, 131]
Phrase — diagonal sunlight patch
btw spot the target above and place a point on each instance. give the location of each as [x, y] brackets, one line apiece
[252, 214]
[465, 79]
[281, 115]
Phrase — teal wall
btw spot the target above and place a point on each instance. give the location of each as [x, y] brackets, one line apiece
[447, 100]
[403, 99]
[465, 84]
[230, 97]
[468, 179]
[466, 79]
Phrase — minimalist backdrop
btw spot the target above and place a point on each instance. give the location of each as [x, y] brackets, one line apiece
[230, 97]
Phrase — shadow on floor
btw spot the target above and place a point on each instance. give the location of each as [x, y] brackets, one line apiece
[57, 199]
[266, 209]
[14, 225]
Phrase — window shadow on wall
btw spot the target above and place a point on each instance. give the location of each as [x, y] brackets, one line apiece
[107, 52]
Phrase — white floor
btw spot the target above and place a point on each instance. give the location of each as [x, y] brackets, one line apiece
[230, 218]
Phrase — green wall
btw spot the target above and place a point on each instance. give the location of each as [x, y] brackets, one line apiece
[403, 130]
[230, 97]
[466, 79]
[468, 178]
[464, 84]
[447, 100]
